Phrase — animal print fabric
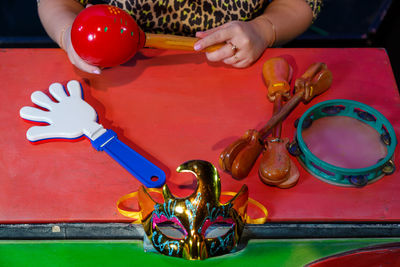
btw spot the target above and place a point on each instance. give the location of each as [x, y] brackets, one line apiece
[186, 17]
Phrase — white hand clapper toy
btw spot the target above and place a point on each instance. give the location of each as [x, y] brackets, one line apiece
[71, 117]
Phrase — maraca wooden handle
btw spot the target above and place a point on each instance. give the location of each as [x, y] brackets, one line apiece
[175, 42]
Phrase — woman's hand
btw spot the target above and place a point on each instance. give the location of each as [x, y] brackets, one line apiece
[73, 56]
[57, 17]
[245, 42]
[76, 60]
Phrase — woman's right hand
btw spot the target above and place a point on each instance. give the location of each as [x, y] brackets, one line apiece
[73, 56]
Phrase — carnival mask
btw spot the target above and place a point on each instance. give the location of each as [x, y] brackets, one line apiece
[199, 226]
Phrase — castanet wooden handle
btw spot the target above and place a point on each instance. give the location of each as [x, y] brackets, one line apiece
[305, 90]
[275, 164]
[277, 74]
[175, 42]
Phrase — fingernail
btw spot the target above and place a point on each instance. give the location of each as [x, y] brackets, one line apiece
[197, 47]
[96, 71]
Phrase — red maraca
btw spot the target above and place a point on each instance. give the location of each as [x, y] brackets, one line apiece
[108, 36]
[105, 36]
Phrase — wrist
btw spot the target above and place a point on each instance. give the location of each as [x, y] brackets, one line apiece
[269, 29]
[273, 30]
[61, 39]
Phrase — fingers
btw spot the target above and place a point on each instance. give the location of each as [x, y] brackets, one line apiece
[74, 89]
[75, 59]
[243, 43]
[80, 63]
[225, 52]
[237, 62]
[37, 133]
[57, 91]
[231, 60]
[67, 118]
[229, 53]
[206, 33]
[34, 114]
[41, 99]
[212, 37]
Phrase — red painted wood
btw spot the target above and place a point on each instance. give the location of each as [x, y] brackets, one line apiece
[172, 107]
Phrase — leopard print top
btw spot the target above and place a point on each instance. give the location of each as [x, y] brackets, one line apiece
[186, 17]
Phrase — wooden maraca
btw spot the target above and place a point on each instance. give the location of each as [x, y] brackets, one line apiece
[276, 168]
[108, 36]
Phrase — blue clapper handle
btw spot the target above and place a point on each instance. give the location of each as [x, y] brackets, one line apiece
[142, 169]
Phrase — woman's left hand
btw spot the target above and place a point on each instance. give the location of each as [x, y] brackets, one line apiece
[245, 42]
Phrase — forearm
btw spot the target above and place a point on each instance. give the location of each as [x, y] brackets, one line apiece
[290, 18]
[57, 15]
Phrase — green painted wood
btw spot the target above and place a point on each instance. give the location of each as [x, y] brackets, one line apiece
[293, 252]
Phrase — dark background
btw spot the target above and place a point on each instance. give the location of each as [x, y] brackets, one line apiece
[341, 23]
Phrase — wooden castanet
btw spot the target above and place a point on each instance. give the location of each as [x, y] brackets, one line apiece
[230, 153]
[316, 80]
[245, 158]
[275, 164]
[277, 74]
[293, 177]
[306, 88]
[239, 157]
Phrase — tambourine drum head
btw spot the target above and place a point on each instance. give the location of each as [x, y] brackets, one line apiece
[344, 142]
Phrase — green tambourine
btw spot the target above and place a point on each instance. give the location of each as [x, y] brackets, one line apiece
[337, 175]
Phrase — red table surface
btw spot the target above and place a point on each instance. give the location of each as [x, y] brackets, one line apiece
[174, 106]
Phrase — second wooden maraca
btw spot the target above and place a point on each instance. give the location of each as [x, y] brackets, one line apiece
[108, 36]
